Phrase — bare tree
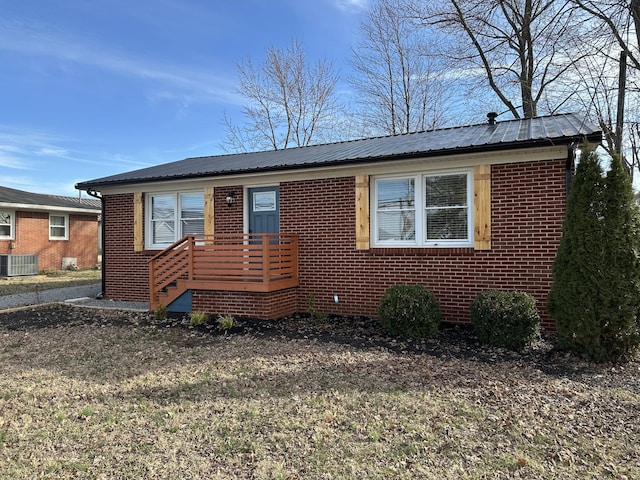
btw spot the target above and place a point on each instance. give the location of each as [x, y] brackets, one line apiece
[614, 92]
[622, 19]
[520, 46]
[289, 102]
[397, 82]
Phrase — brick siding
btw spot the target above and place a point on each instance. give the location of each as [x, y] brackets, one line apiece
[528, 202]
[246, 304]
[32, 237]
[126, 272]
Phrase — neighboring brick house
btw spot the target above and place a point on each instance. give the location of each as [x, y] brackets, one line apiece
[60, 231]
[458, 210]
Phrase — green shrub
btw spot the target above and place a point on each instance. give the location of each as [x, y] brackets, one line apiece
[505, 319]
[198, 318]
[161, 312]
[315, 314]
[595, 295]
[226, 322]
[409, 310]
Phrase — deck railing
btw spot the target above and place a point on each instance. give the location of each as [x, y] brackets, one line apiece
[235, 262]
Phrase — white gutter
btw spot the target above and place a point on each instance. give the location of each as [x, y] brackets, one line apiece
[49, 208]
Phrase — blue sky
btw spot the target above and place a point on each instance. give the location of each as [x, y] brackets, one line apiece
[90, 88]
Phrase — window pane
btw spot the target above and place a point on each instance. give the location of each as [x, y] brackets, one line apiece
[57, 221]
[57, 232]
[163, 219]
[192, 205]
[162, 207]
[396, 225]
[446, 190]
[163, 232]
[57, 226]
[446, 208]
[396, 214]
[192, 213]
[5, 224]
[447, 224]
[396, 193]
[264, 201]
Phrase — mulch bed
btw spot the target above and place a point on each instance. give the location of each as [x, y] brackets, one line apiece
[452, 341]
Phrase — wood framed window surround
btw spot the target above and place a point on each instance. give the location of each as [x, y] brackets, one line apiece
[443, 209]
[168, 217]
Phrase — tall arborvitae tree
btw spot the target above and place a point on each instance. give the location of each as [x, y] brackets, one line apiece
[574, 300]
[595, 293]
[620, 335]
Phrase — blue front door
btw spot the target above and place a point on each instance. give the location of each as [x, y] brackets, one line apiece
[264, 210]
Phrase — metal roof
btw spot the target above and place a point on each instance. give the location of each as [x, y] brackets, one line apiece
[561, 129]
[10, 197]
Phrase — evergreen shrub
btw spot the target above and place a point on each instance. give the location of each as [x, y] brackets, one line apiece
[409, 310]
[595, 295]
[507, 319]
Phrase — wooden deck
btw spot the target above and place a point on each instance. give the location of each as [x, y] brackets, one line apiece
[230, 262]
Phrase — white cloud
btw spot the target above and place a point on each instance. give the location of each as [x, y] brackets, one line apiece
[173, 80]
[351, 5]
[8, 161]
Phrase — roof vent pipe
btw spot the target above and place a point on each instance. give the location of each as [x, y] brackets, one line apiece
[492, 117]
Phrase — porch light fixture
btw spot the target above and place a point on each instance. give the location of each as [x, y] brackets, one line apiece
[230, 197]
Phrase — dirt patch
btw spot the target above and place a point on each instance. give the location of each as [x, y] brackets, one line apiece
[362, 333]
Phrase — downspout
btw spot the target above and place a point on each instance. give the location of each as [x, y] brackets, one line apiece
[95, 194]
[571, 158]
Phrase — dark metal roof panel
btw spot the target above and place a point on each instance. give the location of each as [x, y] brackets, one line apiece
[11, 196]
[549, 130]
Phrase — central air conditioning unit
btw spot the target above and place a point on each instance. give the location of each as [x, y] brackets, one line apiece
[16, 264]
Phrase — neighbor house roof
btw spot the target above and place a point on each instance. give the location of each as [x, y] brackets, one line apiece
[19, 199]
[521, 133]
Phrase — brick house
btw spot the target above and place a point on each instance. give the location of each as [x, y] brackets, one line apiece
[46, 232]
[266, 234]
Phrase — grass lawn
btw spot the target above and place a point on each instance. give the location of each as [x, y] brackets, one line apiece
[47, 280]
[109, 400]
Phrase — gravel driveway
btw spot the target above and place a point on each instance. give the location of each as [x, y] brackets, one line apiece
[83, 294]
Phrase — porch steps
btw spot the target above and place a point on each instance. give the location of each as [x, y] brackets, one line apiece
[171, 293]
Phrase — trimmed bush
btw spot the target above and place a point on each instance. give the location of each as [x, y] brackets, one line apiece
[505, 319]
[409, 310]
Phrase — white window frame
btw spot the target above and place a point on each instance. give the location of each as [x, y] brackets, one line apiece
[177, 220]
[420, 240]
[12, 225]
[66, 227]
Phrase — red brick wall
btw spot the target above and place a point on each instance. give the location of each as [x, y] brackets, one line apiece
[228, 219]
[32, 236]
[126, 273]
[246, 304]
[528, 204]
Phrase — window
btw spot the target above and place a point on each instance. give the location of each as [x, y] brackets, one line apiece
[172, 216]
[58, 227]
[6, 224]
[423, 210]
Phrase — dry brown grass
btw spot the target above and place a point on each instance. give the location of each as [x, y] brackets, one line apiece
[47, 280]
[112, 399]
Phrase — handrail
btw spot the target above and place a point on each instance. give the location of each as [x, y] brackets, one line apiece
[169, 265]
[232, 259]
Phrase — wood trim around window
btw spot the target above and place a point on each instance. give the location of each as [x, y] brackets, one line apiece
[362, 212]
[482, 207]
[138, 222]
[209, 211]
